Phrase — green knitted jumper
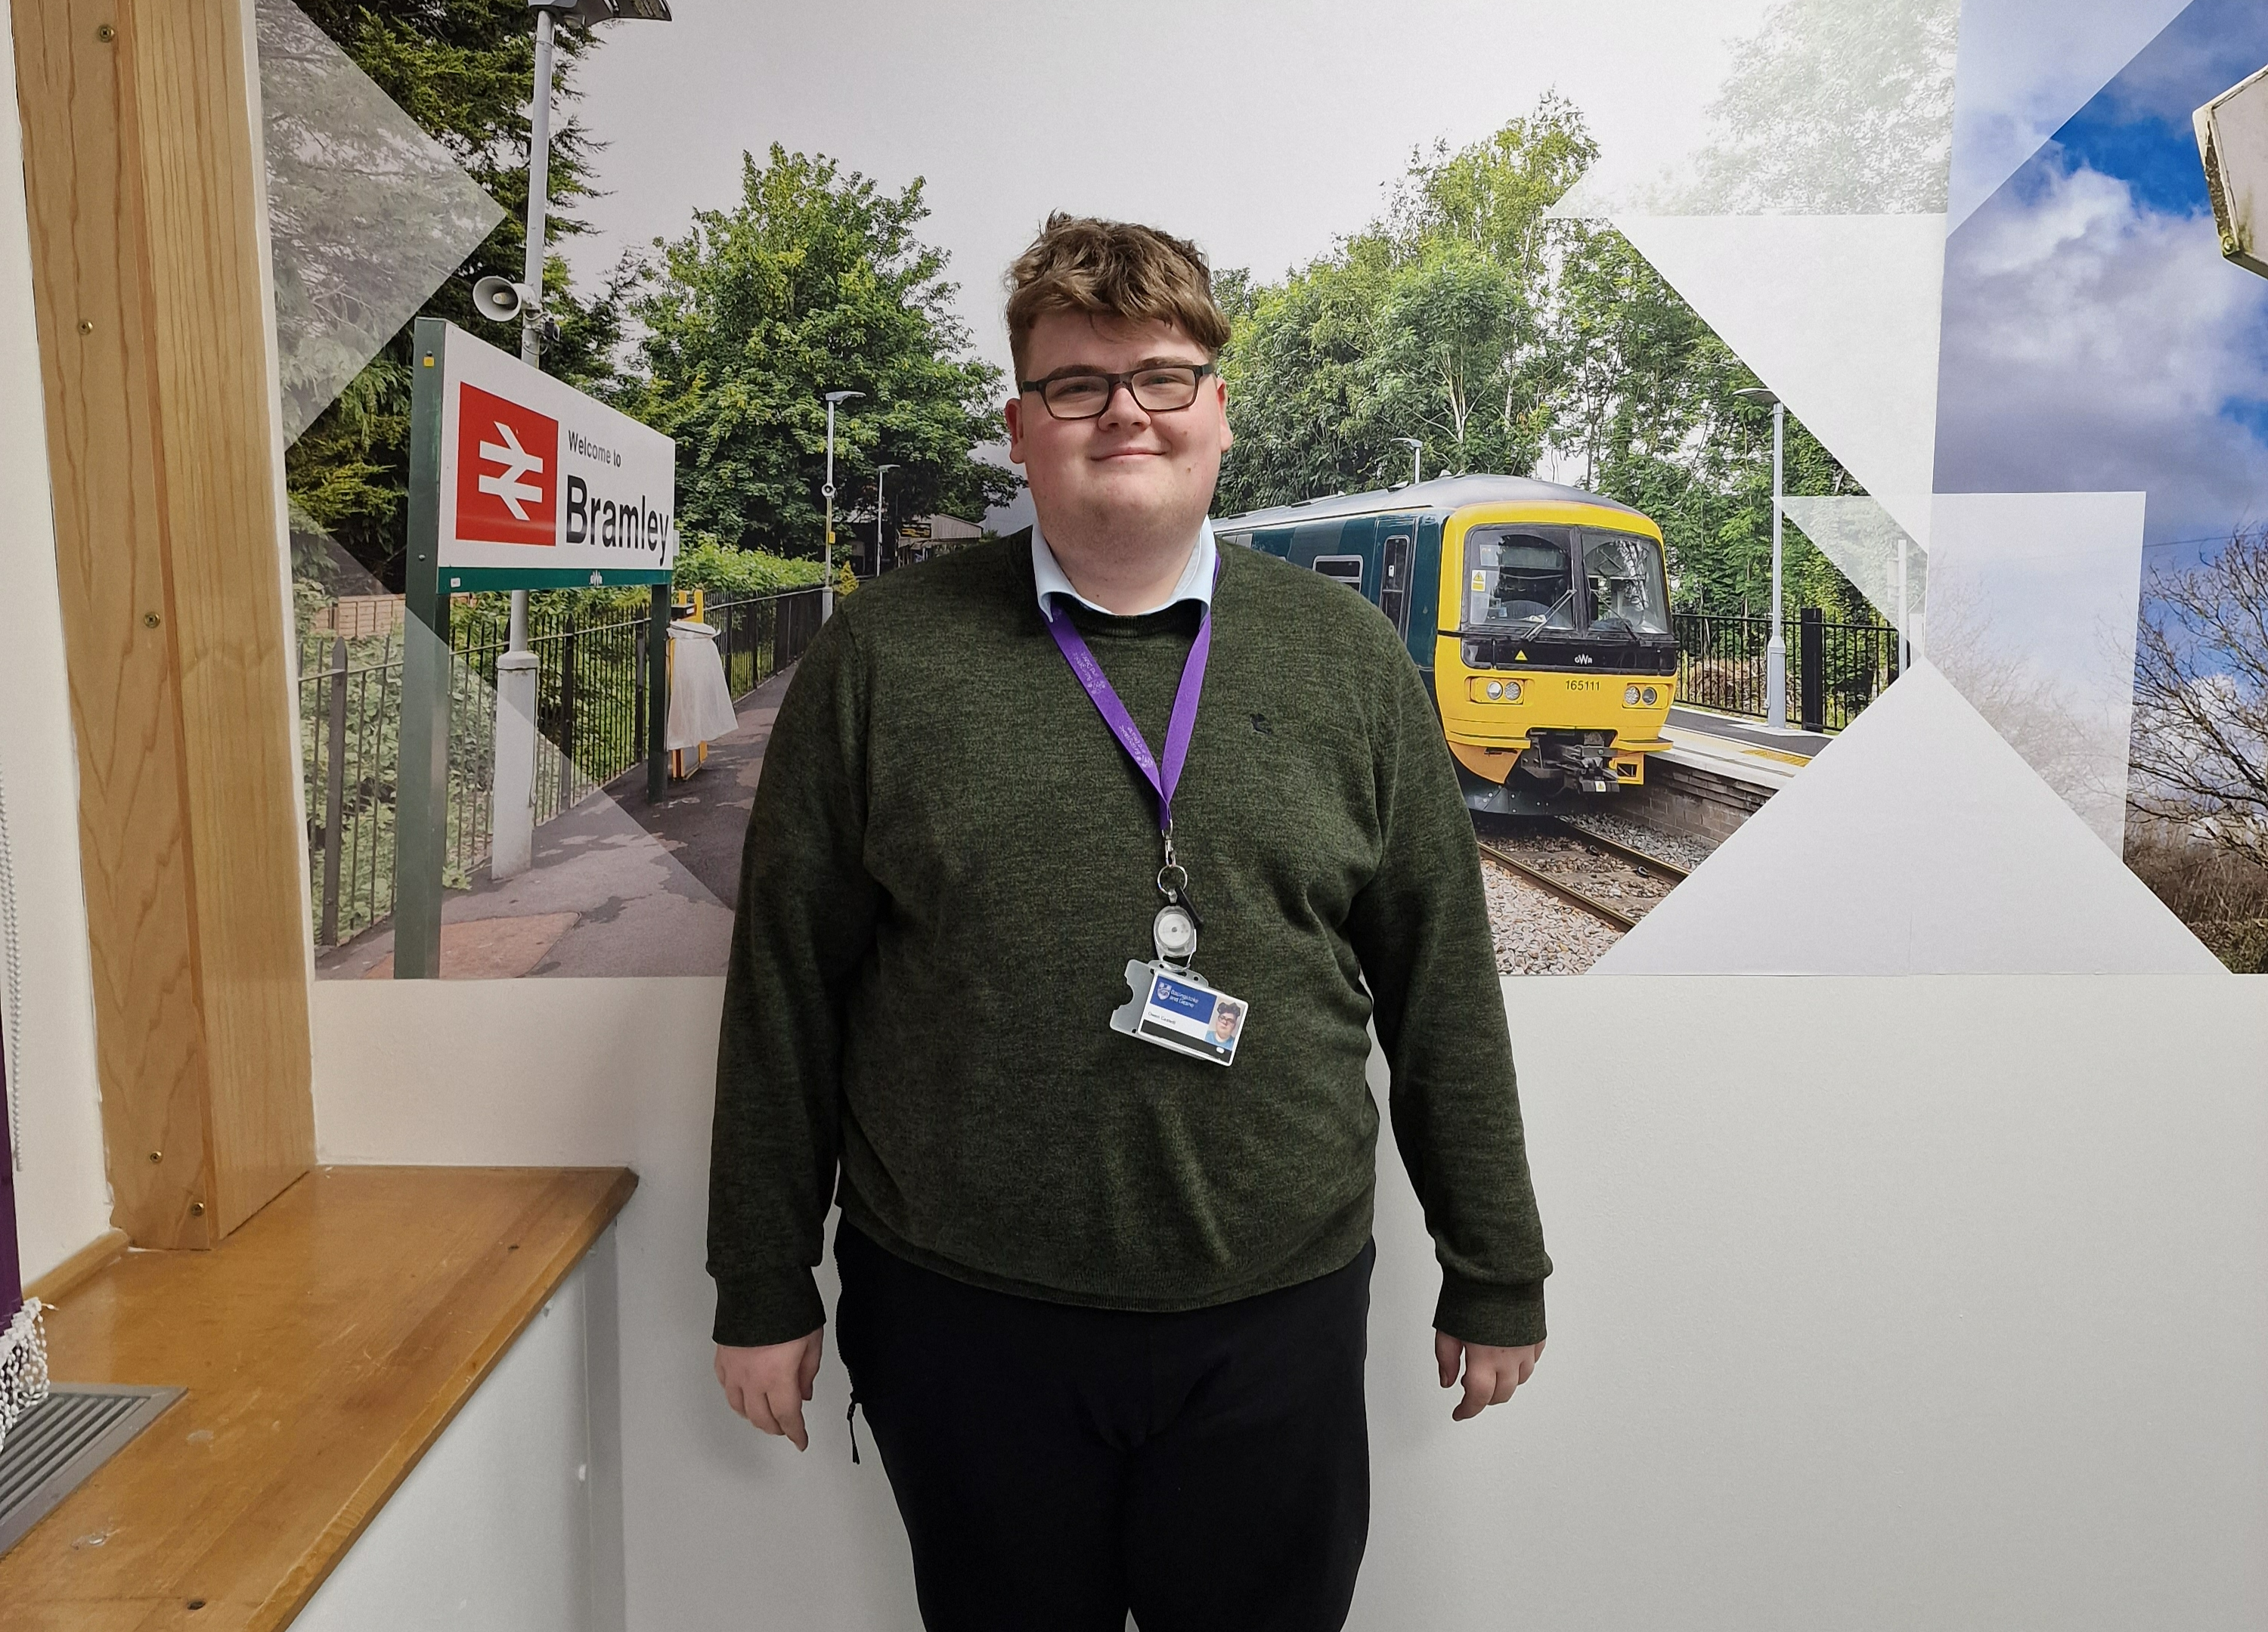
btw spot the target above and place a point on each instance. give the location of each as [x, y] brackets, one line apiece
[950, 860]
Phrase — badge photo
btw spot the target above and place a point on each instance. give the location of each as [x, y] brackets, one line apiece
[1175, 1009]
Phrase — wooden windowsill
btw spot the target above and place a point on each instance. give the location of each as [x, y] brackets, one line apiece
[324, 1346]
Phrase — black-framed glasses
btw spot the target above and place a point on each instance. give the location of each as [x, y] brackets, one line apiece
[1160, 388]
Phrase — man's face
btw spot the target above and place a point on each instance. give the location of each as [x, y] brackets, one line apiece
[1128, 468]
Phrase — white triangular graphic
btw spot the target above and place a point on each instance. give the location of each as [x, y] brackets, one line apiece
[1808, 227]
[2026, 67]
[2033, 604]
[1840, 315]
[1882, 561]
[367, 214]
[1918, 842]
[1827, 107]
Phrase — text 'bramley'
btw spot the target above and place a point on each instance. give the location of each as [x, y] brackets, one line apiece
[628, 523]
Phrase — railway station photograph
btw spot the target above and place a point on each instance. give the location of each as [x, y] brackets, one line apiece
[625, 616]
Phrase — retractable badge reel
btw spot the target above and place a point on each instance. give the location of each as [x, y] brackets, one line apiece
[1169, 1002]
[1175, 929]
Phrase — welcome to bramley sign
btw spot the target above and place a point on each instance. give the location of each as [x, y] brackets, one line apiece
[541, 486]
[516, 481]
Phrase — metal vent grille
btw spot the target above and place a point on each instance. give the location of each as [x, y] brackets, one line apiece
[58, 1443]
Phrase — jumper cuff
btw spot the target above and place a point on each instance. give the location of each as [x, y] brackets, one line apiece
[768, 1306]
[1484, 1312]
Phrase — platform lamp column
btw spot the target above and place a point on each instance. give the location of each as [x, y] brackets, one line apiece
[835, 398]
[513, 845]
[1776, 646]
[1416, 458]
[511, 849]
[881, 511]
[1905, 642]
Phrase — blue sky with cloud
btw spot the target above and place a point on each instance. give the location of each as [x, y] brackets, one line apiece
[2094, 339]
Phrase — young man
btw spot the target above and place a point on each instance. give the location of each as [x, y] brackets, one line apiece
[1104, 1296]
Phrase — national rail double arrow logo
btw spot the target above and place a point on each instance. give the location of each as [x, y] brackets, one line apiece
[507, 471]
[517, 462]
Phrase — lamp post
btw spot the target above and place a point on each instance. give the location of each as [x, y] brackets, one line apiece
[511, 847]
[827, 491]
[1416, 457]
[879, 511]
[1775, 648]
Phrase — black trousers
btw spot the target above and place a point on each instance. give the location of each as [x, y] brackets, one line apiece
[1056, 1466]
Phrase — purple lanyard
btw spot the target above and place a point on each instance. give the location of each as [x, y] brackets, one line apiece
[1178, 728]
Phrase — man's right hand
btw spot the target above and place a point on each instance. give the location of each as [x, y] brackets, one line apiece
[767, 1385]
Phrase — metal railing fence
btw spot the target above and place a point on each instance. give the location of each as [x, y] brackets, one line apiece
[590, 719]
[1834, 669]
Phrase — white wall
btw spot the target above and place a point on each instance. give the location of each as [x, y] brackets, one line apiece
[503, 1525]
[62, 1197]
[569, 1072]
[1880, 1303]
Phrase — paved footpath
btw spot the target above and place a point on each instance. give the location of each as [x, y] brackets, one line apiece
[619, 887]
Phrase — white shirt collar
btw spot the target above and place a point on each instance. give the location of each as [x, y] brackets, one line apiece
[1196, 582]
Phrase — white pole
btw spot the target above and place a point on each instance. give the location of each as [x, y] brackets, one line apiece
[531, 264]
[1776, 648]
[512, 848]
[538, 191]
[1906, 646]
[880, 510]
[826, 557]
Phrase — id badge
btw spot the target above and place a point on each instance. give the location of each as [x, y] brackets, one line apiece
[1175, 1009]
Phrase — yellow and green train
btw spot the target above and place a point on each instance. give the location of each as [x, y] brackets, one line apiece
[1539, 615]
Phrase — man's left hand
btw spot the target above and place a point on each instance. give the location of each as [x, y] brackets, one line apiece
[1491, 1374]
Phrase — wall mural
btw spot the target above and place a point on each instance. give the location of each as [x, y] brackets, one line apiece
[1918, 612]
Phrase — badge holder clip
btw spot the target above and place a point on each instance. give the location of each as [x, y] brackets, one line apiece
[1169, 1003]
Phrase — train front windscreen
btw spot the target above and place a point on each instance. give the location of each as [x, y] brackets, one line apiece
[1518, 580]
[1622, 574]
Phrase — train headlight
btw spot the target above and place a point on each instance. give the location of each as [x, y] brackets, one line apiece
[1630, 696]
[1495, 691]
[1512, 691]
[1652, 697]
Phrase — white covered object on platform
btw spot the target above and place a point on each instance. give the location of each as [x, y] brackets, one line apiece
[700, 702]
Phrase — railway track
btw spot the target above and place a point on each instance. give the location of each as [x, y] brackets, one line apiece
[1640, 859]
[1576, 864]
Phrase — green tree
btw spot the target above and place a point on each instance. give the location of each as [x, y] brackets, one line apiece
[1651, 411]
[1833, 108]
[815, 281]
[461, 69]
[1425, 324]
[1507, 341]
[1493, 195]
[1298, 366]
[1453, 332]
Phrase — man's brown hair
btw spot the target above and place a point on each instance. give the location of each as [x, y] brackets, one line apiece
[1112, 268]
